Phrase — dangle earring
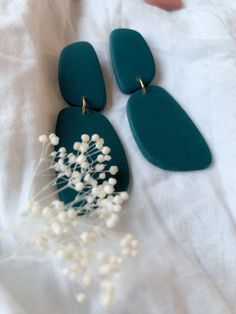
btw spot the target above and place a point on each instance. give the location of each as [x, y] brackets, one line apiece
[163, 131]
[82, 87]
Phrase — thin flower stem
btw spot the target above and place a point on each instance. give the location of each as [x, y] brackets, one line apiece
[45, 187]
[53, 193]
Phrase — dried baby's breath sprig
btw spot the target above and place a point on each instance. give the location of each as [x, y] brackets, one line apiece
[83, 244]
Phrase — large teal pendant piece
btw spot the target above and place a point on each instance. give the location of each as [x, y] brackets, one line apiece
[163, 131]
[72, 123]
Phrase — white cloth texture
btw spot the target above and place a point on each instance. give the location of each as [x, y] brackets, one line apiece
[186, 222]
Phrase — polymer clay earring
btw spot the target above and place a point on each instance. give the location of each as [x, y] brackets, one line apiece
[163, 131]
[82, 87]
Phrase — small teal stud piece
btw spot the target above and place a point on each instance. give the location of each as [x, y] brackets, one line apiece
[80, 75]
[131, 59]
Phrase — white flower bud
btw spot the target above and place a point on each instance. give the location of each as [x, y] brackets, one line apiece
[108, 189]
[112, 181]
[76, 146]
[85, 138]
[79, 186]
[124, 196]
[113, 170]
[81, 298]
[62, 216]
[85, 165]
[100, 158]
[106, 150]
[51, 136]
[43, 138]
[95, 137]
[55, 141]
[84, 147]
[56, 228]
[102, 176]
[81, 159]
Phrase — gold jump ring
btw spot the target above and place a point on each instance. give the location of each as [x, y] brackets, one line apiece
[142, 85]
[83, 104]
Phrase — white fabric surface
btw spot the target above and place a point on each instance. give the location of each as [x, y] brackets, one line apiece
[185, 221]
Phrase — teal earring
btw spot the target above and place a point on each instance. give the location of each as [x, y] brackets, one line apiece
[82, 86]
[163, 131]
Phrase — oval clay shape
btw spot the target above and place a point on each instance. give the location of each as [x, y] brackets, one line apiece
[80, 74]
[131, 59]
[164, 132]
[72, 123]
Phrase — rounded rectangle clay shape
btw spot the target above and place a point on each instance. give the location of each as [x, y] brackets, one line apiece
[131, 59]
[80, 74]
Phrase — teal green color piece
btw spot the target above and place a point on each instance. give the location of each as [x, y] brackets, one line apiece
[80, 75]
[164, 132]
[71, 124]
[131, 59]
